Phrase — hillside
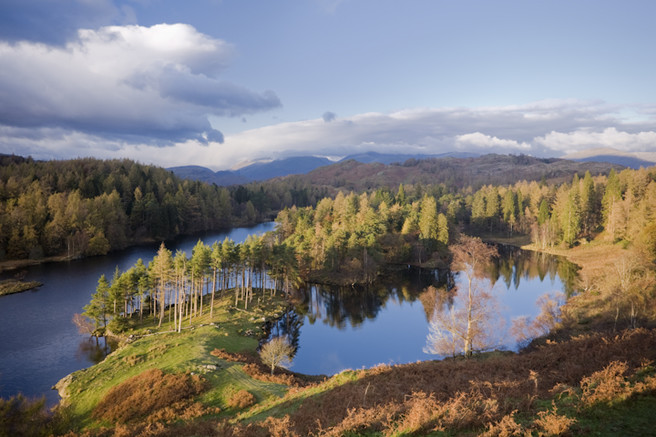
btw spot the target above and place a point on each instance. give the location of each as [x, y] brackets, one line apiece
[614, 156]
[204, 174]
[212, 383]
[282, 167]
[261, 171]
[371, 170]
[454, 172]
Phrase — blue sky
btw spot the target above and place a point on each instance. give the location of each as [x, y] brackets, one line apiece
[222, 82]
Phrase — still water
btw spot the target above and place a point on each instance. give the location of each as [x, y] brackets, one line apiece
[39, 344]
[333, 328]
[337, 328]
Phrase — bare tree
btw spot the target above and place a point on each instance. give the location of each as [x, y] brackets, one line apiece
[277, 352]
[83, 324]
[524, 329]
[469, 323]
[628, 283]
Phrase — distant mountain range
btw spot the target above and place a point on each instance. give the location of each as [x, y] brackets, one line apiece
[453, 172]
[614, 156]
[261, 171]
[301, 165]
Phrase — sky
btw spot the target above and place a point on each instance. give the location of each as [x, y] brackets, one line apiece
[220, 83]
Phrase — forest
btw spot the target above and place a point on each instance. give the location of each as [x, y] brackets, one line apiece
[591, 364]
[355, 234]
[87, 207]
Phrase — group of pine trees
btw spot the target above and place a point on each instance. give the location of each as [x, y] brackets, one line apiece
[88, 207]
[354, 234]
[621, 206]
[258, 266]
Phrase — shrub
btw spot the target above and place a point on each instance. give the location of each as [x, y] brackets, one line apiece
[242, 399]
[552, 423]
[118, 325]
[22, 416]
[257, 372]
[606, 384]
[146, 393]
[506, 427]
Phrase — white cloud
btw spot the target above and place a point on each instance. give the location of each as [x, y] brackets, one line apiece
[545, 128]
[609, 137]
[482, 141]
[542, 129]
[153, 84]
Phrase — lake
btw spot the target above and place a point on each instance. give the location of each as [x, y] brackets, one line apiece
[337, 328]
[39, 344]
[333, 328]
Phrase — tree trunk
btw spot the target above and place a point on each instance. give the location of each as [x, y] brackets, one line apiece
[468, 339]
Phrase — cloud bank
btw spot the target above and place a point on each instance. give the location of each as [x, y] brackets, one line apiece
[547, 128]
[122, 84]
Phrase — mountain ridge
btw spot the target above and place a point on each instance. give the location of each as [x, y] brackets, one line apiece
[264, 170]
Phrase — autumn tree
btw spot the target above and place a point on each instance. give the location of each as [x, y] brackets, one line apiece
[468, 324]
[277, 352]
[589, 204]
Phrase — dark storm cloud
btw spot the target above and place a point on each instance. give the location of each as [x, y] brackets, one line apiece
[153, 85]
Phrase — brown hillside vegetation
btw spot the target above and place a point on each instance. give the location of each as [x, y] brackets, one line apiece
[494, 387]
[146, 394]
[455, 172]
[541, 392]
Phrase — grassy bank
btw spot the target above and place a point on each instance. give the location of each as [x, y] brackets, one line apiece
[593, 385]
[189, 352]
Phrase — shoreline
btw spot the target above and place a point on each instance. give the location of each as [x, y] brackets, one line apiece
[592, 258]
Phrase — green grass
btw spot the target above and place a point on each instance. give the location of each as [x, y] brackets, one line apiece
[632, 417]
[188, 351]
[280, 406]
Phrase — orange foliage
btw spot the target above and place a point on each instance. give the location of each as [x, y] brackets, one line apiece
[256, 370]
[242, 399]
[146, 393]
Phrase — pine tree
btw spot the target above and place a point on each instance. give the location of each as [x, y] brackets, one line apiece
[97, 310]
[161, 271]
[428, 218]
[588, 204]
[509, 209]
[442, 229]
[612, 194]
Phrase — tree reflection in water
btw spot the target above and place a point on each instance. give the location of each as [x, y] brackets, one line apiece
[357, 310]
[95, 349]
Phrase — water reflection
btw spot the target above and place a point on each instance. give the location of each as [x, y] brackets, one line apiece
[289, 326]
[333, 328]
[341, 307]
[514, 264]
[95, 349]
